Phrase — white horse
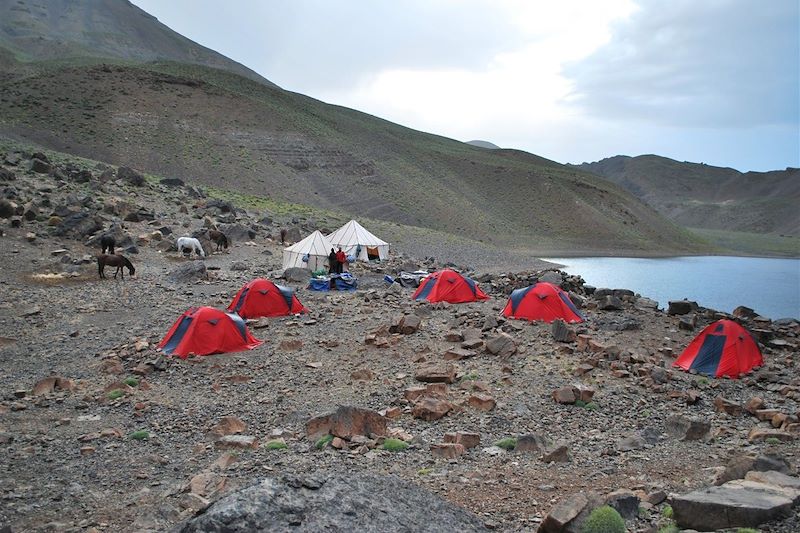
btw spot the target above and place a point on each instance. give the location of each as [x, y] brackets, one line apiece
[186, 245]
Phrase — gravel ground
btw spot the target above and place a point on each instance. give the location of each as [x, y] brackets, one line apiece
[71, 462]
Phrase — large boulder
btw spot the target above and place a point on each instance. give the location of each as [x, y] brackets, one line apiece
[346, 422]
[78, 225]
[332, 502]
[187, 272]
[237, 232]
[131, 176]
[730, 506]
[297, 274]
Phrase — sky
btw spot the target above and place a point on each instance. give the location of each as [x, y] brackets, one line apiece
[715, 81]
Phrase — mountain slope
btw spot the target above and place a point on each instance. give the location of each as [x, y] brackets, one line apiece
[703, 196]
[68, 29]
[214, 127]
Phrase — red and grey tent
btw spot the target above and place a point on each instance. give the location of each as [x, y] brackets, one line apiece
[261, 297]
[542, 301]
[204, 331]
[724, 348]
[448, 286]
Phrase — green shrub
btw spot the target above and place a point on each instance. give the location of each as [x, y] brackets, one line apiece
[509, 443]
[323, 441]
[667, 511]
[131, 382]
[604, 519]
[424, 471]
[394, 445]
[591, 406]
[772, 440]
[140, 435]
[702, 380]
[114, 394]
[669, 528]
[580, 403]
[277, 444]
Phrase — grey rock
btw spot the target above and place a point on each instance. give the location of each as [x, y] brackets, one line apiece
[78, 225]
[740, 465]
[332, 502]
[553, 277]
[681, 307]
[131, 176]
[685, 428]
[296, 274]
[501, 344]
[237, 232]
[625, 502]
[40, 167]
[187, 272]
[725, 506]
[609, 303]
[172, 182]
[239, 266]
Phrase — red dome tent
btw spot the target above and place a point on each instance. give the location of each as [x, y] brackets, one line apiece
[542, 301]
[724, 348]
[261, 297]
[448, 286]
[204, 331]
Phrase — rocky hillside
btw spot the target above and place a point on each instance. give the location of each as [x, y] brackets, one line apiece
[697, 195]
[91, 30]
[520, 425]
[171, 114]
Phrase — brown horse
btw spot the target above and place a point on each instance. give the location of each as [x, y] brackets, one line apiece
[218, 238]
[118, 261]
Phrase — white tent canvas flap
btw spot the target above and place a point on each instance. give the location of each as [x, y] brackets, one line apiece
[357, 241]
[315, 248]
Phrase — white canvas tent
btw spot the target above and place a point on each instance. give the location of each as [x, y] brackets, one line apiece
[357, 241]
[315, 247]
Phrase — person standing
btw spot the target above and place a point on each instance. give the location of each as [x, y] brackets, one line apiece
[283, 236]
[341, 259]
[333, 263]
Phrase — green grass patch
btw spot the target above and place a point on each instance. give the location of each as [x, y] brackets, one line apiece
[140, 435]
[508, 444]
[424, 471]
[669, 528]
[394, 445]
[772, 440]
[667, 512]
[747, 530]
[472, 376]
[131, 382]
[115, 394]
[277, 444]
[323, 441]
[604, 519]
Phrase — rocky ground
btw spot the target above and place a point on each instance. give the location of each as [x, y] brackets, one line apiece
[125, 439]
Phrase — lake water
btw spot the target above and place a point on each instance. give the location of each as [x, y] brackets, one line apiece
[770, 286]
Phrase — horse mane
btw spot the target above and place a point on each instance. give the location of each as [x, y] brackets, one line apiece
[127, 262]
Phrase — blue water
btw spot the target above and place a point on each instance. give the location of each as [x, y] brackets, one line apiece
[770, 286]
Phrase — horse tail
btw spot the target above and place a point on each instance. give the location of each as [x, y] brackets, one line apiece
[100, 265]
[225, 240]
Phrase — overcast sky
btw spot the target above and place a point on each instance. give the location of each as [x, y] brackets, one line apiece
[714, 81]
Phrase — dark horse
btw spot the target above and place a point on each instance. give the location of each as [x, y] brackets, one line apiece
[107, 242]
[218, 238]
[118, 261]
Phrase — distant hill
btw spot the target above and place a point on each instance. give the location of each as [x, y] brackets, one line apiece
[35, 30]
[217, 127]
[703, 196]
[484, 144]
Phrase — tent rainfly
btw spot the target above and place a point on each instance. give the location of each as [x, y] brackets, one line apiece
[314, 248]
[355, 240]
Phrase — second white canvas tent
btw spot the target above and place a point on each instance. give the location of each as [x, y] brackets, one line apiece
[355, 240]
[315, 248]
